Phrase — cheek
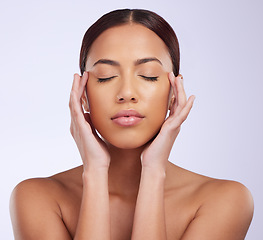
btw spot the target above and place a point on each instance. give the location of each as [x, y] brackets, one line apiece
[157, 100]
[97, 104]
[157, 113]
[156, 107]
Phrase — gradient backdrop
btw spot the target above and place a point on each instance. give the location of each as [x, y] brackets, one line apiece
[221, 51]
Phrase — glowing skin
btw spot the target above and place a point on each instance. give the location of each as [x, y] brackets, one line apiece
[120, 84]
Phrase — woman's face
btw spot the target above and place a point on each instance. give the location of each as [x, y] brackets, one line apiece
[128, 86]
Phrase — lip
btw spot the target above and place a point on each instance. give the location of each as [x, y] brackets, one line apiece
[128, 117]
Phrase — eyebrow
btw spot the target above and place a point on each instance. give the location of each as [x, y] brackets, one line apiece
[137, 62]
[145, 60]
[107, 61]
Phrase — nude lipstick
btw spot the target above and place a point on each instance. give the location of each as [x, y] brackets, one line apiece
[126, 118]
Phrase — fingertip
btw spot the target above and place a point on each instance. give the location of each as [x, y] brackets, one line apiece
[178, 82]
[180, 76]
[75, 75]
[192, 99]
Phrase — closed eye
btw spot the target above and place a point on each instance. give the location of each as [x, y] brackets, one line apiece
[105, 79]
[149, 78]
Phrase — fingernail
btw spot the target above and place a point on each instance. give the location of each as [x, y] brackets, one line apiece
[181, 79]
[181, 76]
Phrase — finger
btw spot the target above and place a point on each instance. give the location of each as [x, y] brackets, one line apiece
[83, 82]
[75, 84]
[179, 92]
[74, 90]
[76, 110]
[171, 78]
[172, 81]
[82, 85]
[79, 83]
[182, 79]
[181, 96]
[73, 102]
[182, 99]
[186, 110]
[75, 94]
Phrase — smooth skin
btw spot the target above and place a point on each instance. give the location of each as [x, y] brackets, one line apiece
[127, 188]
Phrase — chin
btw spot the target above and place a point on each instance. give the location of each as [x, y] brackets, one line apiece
[125, 144]
[128, 146]
[126, 141]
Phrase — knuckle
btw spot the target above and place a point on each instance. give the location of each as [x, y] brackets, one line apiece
[72, 94]
[183, 118]
[74, 112]
[175, 127]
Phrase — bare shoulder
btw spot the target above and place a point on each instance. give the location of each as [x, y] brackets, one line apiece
[46, 189]
[33, 191]
[227, 198]
[35, 206]
[224, 193]
[223, 208]
[211, 189]
[218, 190]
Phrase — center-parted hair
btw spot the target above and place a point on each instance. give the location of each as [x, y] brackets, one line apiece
[146, 18]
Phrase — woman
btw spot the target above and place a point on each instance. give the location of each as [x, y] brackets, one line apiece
[126, 187]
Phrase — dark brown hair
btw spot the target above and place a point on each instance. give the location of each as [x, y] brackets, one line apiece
[146, 18]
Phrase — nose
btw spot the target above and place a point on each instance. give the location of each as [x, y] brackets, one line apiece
[127, 91]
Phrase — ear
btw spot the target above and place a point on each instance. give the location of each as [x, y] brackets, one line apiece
[84, 101]
[171, 102]
[171, 99]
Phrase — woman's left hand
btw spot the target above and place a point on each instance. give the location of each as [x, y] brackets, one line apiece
[155, 155]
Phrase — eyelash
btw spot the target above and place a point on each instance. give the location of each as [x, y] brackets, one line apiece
[146, 78]
[149, 78]
[105, 79]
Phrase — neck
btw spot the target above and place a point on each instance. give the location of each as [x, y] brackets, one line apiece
[125, 171]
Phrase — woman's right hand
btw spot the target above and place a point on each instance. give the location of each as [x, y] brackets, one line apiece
[93, 150]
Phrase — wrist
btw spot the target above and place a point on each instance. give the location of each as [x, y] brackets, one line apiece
[92, 172]
[94, 167]
[154, 172]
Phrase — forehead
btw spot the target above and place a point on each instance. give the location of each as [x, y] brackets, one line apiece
[127, 43]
